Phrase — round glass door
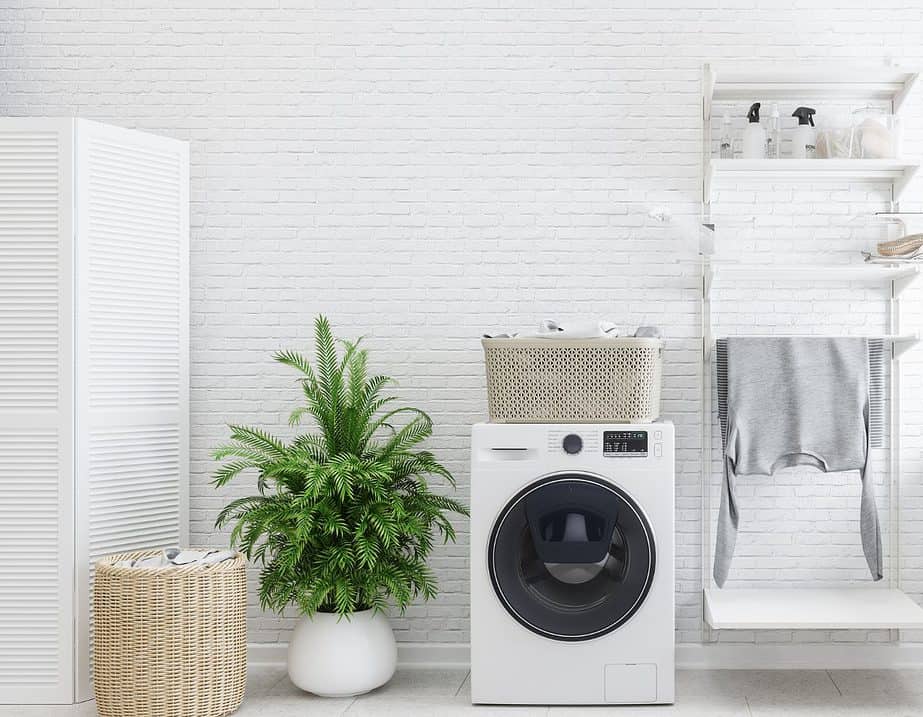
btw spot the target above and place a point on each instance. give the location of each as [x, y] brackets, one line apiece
[571, 557]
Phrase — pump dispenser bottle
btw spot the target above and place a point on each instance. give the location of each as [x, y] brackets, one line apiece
[754, 141]
[804, 139]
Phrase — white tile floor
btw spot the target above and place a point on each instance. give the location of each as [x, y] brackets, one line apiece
[744, 693]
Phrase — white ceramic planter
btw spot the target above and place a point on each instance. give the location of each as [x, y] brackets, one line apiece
[338, 657]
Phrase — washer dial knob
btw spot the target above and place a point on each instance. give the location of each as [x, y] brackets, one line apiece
[572, 443]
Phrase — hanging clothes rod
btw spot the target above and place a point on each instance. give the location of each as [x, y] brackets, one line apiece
[900, 343]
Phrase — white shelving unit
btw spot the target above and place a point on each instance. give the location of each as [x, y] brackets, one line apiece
[880, 606]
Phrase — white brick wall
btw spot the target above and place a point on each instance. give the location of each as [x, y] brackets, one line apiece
[420, 170]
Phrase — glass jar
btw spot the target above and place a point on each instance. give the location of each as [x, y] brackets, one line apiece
[877, 134]
[835, 138]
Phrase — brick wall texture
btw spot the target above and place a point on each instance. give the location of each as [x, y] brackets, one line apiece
[424, 170]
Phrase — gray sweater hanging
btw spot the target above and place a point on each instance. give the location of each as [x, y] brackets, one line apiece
[794, 401]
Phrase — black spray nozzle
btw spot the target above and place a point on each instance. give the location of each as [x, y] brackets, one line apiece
[754, 114]
[805, 115]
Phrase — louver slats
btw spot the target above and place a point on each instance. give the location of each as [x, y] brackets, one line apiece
[36, 464]
[29, 570]
[134, 489]
[132, 228]
[29, 238]
[132, 225]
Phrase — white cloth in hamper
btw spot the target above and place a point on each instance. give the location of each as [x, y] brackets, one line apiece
[551, 329]
[175, 558]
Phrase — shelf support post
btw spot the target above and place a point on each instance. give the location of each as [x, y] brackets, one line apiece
[901, 183]
[706, 448]
[900, 284]
[708, 91]
[901, 95]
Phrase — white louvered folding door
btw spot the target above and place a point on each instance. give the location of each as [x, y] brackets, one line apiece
[93, 380]
[132, 228]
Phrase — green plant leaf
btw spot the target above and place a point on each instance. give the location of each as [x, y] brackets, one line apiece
[258, 441]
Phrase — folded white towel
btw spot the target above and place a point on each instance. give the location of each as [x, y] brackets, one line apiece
[174, 558]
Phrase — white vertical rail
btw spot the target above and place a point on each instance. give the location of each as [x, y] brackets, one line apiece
[894, 492]
[706, 457]
[896, 427]
[705, 469]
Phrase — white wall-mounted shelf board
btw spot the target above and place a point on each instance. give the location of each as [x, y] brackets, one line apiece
[807, 82]
[847, 608]
[902, 274]
[729, 173]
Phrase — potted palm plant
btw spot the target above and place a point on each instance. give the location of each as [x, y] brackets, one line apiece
[343, 520]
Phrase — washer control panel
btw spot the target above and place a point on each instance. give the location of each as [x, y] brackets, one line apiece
[625, 443]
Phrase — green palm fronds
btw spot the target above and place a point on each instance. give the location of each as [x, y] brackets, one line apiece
[344, 519]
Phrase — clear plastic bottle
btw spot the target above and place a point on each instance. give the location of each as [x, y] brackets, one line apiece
[725, 148]
[774, 136]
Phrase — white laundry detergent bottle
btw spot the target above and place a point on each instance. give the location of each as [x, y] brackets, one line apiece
[754, 141]
[804, 138]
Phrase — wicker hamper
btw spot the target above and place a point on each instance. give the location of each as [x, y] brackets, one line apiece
[169, 642]
[581, 380]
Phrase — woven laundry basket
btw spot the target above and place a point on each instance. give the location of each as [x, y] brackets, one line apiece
[614, 380]
[169, 642]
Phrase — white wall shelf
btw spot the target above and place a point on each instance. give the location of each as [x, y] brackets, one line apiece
[807, 82]
[901, 274]
[727, 173]
[854, 608]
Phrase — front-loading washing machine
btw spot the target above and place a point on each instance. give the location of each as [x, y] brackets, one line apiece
[572, 563]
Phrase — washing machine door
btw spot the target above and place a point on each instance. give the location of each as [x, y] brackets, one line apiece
[571, 557]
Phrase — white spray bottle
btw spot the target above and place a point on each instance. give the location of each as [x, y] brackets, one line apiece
[804, 138]
[754, 141]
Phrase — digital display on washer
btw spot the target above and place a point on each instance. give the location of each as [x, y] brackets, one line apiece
[625, 443]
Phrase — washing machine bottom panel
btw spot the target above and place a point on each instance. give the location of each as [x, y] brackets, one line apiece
[632, 665]
[641, 680]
